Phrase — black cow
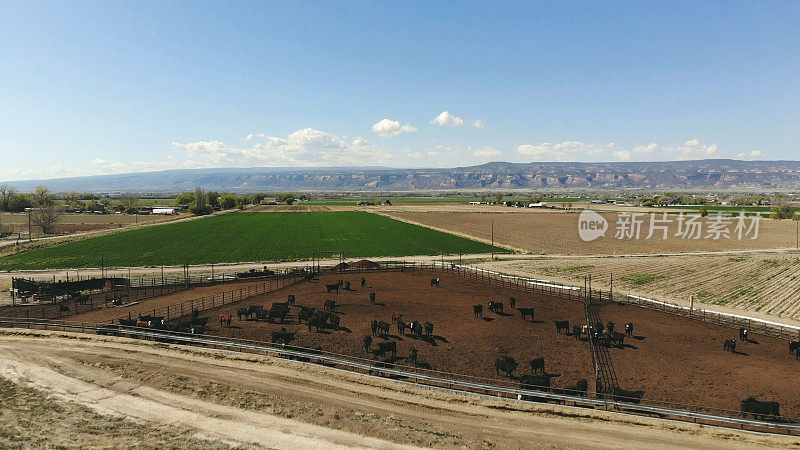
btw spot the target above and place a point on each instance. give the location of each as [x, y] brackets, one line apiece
[318, 321]
[730, 345]
[305, 313]
[526, 312]
[622, 395]
[477, 310]
[505, 364]
[363, 281]
[743, 334]
[616, 338]
[242, 312]
[367, 342]
[760, 409]
[562, 325]
[330, 305]
[496, 307]
[537, 365]
[334, 320]
[413, 356]
[512, 302]
[332, 288]
[347, 286]
[610, 326]
[577, 331]
[401, 327]
[629, 329]
[372, 298]
[282, 336]
[278, 312]
[373, 326]
[794, 347]
[290, 300]
[383, 328]
[416, 329]
[254, 310]
[386, 347]
[435, 282]
[428, 328]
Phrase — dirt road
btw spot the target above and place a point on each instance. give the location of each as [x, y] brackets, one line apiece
[260, 402]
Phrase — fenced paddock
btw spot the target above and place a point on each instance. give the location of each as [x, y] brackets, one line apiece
[685, 345]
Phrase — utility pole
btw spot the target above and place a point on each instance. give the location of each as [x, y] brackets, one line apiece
[492, 238]
[590, 288]
[611, 289]
[29, 226]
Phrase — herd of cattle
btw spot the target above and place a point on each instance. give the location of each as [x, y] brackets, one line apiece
[730, 344]
[387, 349]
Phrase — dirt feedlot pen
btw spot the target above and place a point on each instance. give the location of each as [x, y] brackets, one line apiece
[671, 395]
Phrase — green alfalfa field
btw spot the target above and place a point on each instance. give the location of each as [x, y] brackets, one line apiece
[240, 237]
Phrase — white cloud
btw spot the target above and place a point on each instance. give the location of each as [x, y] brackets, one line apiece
[622, 155]
[691, 149]
[755, 154]
[306, 147]
[478, 124]
[446, 119]
[486, 152]
[564, 151]
[390, 128]
[577, 151]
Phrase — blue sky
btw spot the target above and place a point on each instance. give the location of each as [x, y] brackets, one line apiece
[105, 87]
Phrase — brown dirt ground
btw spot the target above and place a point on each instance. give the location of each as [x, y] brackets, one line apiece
[674, 360]
[191, 398]
[556, 232]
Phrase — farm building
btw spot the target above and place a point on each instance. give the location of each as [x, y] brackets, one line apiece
[165, 211]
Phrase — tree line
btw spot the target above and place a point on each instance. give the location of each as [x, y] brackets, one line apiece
[201, 202]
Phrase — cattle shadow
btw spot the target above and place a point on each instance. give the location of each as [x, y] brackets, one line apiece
[504, 314]
[345, 329]
[323, 331]
[439, 338]
[488, 319]
[638, 338]
[751, 341]
[624, 346]
[393, 336]
[548, 375]
[737, 352]
[379, 304]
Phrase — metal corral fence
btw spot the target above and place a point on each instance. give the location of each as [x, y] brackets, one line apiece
[753, 325]
[428, 378]
[136, 290]
[217, 300]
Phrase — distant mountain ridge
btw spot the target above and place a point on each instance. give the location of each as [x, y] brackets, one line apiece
[710, 174]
